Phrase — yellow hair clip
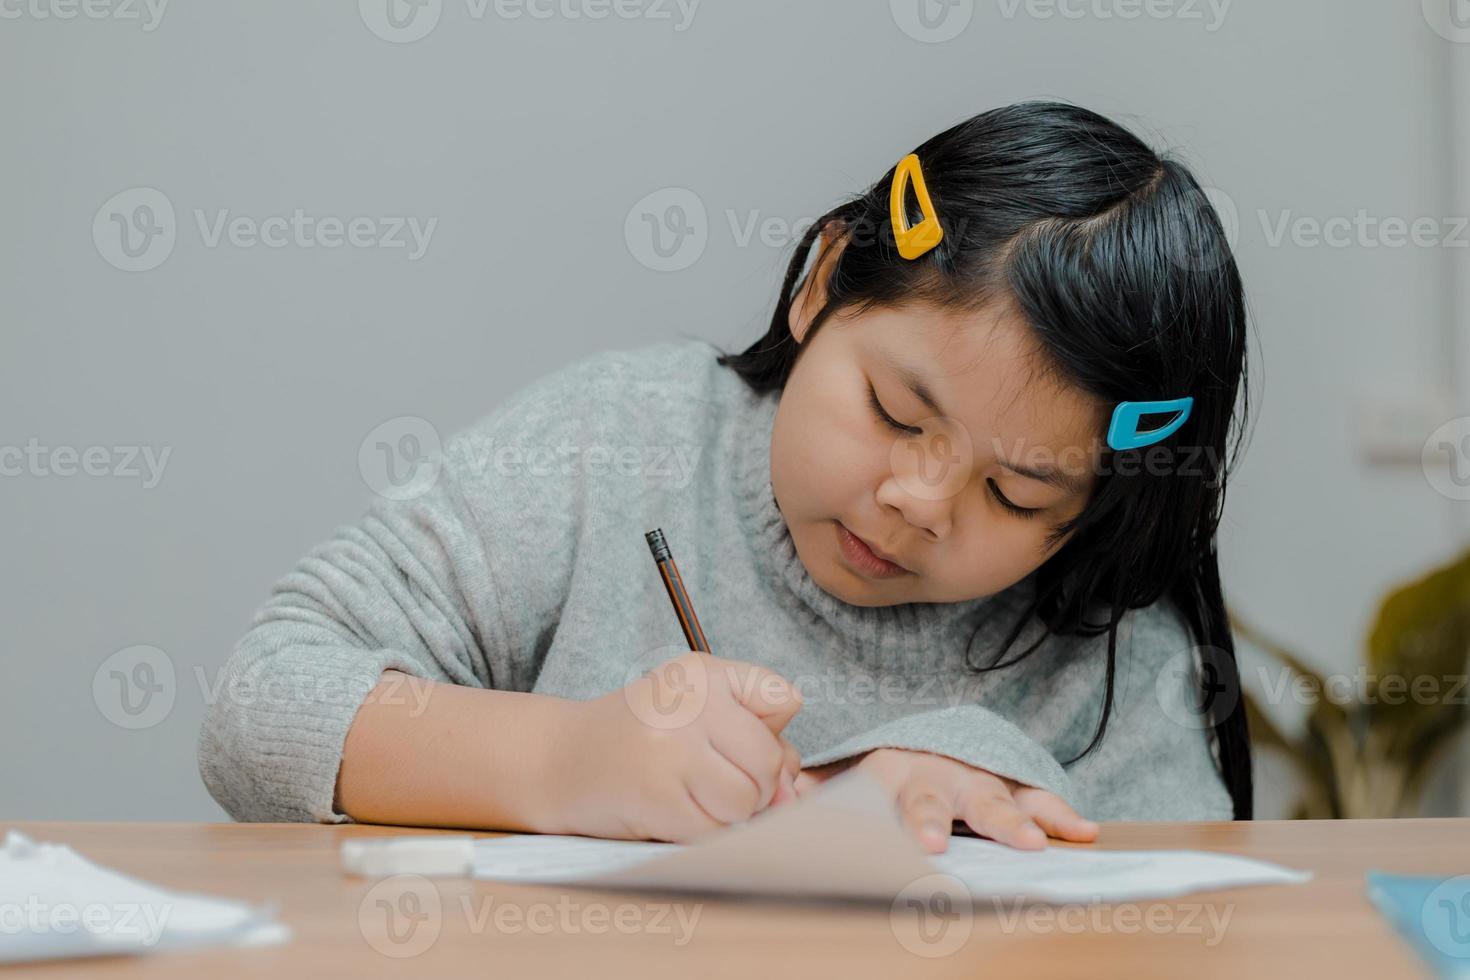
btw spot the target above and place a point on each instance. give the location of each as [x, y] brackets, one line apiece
[912, 242]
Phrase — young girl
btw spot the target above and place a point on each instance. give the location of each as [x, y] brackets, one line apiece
[923, 522]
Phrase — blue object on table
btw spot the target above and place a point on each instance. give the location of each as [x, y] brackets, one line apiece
[1432, 913]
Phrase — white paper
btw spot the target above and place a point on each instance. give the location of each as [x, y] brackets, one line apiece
[56, 903]
[846, 841]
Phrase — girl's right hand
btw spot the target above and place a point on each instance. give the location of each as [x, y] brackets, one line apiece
[689, 747]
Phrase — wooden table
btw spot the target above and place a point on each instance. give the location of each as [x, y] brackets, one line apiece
[1325, 928]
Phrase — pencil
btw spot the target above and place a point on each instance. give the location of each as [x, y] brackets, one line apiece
[678, 595]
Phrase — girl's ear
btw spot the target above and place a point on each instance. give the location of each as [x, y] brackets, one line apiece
[812, 295]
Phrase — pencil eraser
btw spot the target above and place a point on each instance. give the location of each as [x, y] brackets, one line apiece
[434, 856]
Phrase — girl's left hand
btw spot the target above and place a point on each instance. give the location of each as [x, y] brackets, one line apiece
[932, 791]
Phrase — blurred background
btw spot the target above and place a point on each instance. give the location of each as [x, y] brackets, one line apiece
[246, 245]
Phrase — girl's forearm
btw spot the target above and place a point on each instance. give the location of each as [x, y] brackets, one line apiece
[442, 755]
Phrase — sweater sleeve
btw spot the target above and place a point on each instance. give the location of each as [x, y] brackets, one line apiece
[1155, 761]
[404, 588]
[438, 586]
[967, 733]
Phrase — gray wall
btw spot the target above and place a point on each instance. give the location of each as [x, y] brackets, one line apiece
[261, 370]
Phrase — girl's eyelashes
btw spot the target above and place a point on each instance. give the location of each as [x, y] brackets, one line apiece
[887, 419]
[1004, 501]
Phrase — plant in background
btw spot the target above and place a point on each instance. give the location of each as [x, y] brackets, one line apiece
[1369, 751]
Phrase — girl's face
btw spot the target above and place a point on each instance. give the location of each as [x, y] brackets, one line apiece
[944, 501]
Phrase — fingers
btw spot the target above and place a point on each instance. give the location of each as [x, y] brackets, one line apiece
[806, 781]
[722, 789]
[927, 815]
[694, 821]
[764, 693]
[1053, 815]
[809, 779]
[989, 809]
[791, 759]
[790, 769]
[785, 790]
[743, 740]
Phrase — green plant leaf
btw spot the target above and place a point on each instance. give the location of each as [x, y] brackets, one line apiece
[1421, 638]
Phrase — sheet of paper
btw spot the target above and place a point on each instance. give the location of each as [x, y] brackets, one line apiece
[846, 841]
[59, 904]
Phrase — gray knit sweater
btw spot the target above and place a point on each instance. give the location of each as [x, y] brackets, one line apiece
[523, 567]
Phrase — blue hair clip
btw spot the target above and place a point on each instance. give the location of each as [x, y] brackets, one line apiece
[1123, 430]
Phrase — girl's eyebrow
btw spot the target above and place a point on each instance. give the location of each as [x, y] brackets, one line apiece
[916, 383]
[1053, 478]
[913, 381]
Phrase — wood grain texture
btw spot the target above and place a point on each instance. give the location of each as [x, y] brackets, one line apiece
[1325, 928]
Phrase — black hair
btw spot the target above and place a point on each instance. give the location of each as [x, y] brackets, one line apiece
[1120, 265]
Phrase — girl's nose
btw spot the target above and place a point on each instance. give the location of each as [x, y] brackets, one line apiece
[932, 516]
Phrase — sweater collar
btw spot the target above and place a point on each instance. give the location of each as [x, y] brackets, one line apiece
[910, 629]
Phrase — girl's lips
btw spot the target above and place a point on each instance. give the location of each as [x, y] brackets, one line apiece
[861, 557]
